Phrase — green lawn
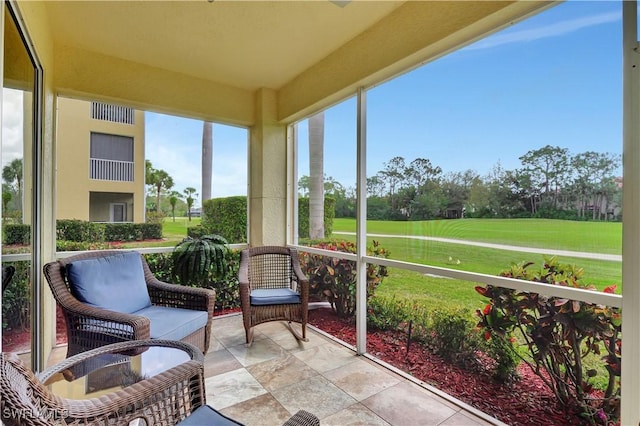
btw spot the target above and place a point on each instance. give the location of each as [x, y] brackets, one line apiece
[595, 237]
[177, 230]
[438, 291]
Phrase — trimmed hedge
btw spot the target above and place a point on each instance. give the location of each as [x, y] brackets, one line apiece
[226, 217]
[303, 216]
[17, 234]
[82, 231]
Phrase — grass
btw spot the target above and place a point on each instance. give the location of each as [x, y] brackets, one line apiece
[593, 237]
[177, 230]
[443, 292]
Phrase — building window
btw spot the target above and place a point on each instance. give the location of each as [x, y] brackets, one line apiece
[111, 157]
[114, 113]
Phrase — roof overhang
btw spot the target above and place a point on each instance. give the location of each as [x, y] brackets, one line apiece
[208, 59]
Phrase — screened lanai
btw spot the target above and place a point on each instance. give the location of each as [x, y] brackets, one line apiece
[265, 66]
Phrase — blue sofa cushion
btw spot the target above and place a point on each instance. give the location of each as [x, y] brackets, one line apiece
[274, 296]
[173, 323]
[205, 415]
[113, 282]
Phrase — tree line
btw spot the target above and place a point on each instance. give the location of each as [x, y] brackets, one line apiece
[550, 182]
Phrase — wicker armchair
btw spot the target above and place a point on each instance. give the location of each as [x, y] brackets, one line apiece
[90, 327]
[273, 288]
[164, 399]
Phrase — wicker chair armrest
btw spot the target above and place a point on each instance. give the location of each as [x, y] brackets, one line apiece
[78, 310]
[179, 296]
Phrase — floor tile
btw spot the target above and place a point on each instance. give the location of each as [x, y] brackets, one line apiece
[361, 379]
[316, 395]
[355, 415]
[227, 389]
[282, 371]
[219, 362]
[405, 404]
[259, 411]
[326, 357]
[259, 351]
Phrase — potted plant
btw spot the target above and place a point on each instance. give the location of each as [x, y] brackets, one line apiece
[196, 260]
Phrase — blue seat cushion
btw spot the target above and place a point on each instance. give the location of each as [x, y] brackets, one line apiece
[205, 415]
[114, 282]
[173, 323]
[274, 296]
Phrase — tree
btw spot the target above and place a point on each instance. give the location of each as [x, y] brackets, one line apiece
[303, 186]
[190, 193]
[207, 159]
[6, 199]
[11, 173]
[316, 176]
[375, 186]
[159, 180]
[547, 166]
[173, 200]
[393, 175]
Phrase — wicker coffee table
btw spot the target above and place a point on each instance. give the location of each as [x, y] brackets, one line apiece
[156, 380]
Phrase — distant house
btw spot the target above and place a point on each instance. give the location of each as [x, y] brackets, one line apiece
[100, 162]
[196, 212]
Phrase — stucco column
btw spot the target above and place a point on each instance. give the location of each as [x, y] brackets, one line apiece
[268, 174]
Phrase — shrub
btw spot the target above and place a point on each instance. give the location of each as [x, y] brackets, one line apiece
[16, 299]
[150, 231]
[454, 337]
[197, 260]
[387, 313]
[17, 234]
[196, 231]
[558, 334]
[335, 279]
[161, 265]
[303, 216]
[64, 245]
[227, 287]
[450, 333]
[226, 217]
[79, 230]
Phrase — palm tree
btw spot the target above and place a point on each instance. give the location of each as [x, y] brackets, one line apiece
[173, 200]
[190, 192]
[207, 159]
[13, 172]
[316, 178]
[159, 179]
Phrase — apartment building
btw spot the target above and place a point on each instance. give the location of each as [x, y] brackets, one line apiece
[100, 162]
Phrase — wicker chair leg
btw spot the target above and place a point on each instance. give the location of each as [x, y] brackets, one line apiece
[299, 336]
[248, 332]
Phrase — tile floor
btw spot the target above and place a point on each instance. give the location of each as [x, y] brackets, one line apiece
[268, 382]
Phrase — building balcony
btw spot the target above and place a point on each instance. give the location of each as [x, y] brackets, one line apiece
[120, 171]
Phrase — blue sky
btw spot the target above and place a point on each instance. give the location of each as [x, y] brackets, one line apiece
[554, 79]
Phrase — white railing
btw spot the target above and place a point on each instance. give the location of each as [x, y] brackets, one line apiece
[111, 170]
[587, 296]
[114, 113]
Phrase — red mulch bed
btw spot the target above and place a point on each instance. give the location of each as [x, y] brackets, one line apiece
[526, 402]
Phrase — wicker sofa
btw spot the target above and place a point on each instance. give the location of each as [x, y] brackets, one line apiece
[111, 296]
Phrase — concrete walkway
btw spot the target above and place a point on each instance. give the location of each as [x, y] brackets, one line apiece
[567, 253]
